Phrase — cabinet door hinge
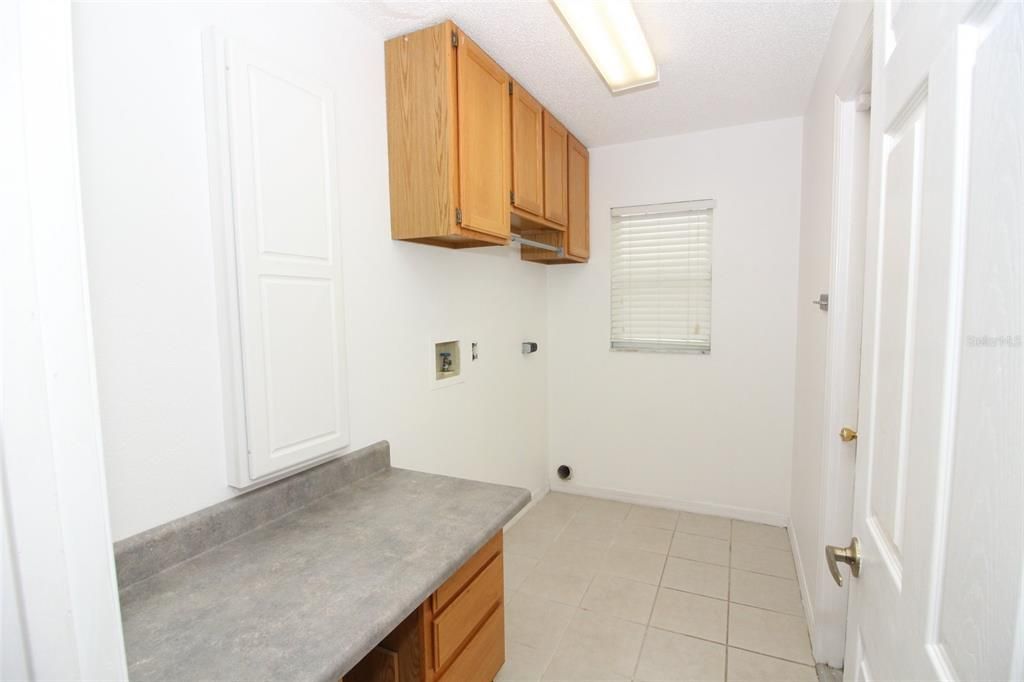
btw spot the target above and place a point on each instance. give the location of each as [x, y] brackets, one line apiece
[511, 197]
[455, 39]
[458, 216]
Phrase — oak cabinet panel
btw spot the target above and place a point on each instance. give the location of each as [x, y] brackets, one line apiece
[575, 241]
[483, 140]
[578, 229]
[527, 151]
[448, 132]
[481, 660]
[555, 169]
[538, 166]
[453, 627]
[466, 630]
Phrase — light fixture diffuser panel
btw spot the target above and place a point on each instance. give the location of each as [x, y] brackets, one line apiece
[611, 35]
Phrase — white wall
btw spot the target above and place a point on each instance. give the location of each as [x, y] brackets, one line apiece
[147, 219]
[815, 256]
[704, 432]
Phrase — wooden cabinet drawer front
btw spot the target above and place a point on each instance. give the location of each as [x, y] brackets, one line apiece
[466, 612]
[461, 577]
[483, 658]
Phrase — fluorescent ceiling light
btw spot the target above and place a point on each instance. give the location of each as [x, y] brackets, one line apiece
[612, 37]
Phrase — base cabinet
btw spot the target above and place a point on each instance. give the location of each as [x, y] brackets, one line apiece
[456, 635]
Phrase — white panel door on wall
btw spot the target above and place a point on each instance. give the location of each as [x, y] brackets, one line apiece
[939, 505]
[283, 188]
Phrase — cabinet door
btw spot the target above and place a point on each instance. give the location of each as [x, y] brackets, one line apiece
[527, 151]
[291, 319]
[555, 171]
[483, 140]
[578, 239]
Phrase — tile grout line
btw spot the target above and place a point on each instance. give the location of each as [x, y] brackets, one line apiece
[640, 653]
[772, 656]
[728, 603]
[727, 599]
[729, 565]
[650, 614]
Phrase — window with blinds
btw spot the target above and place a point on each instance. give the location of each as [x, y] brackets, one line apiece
[661, 277]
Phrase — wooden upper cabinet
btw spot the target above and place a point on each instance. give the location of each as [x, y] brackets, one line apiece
[483, 140]
[575, 240]
[556, 139]
[448, 140]
[472, 156]
[527, 151]
[578, 232]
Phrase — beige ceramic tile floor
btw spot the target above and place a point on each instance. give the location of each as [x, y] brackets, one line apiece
[601, 590]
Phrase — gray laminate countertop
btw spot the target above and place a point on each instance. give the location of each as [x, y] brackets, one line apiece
[307, 595]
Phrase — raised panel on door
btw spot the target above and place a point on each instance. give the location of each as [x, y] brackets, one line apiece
[288, 264]
[578, 228]
[980, 601]
[483, 140]
[899, 234]
[527, 151]
[556, 140]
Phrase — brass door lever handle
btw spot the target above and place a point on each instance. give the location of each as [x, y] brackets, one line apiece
[847, 555]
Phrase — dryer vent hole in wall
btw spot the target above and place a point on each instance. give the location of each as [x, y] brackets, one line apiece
[564, 472]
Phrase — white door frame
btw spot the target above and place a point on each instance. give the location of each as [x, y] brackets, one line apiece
[842, 364]
[60, 609]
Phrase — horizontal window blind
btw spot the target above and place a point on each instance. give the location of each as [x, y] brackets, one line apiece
[661, 277]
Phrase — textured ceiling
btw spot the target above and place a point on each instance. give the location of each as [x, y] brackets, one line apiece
[722, 63]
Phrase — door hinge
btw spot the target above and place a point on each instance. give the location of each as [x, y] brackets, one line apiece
[510, 87]
[458, 216]
[511, 197]
[455, 39]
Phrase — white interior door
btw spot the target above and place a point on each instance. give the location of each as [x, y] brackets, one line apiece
[939, 503]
